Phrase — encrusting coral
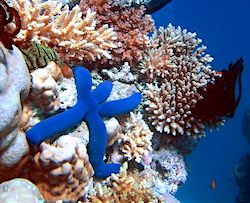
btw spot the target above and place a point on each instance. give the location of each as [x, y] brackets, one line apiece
[53, 25]
[14, 89]
[90, 107]
[62, 170]
[19, 190]
[124, 187]
[131, 25]
[176, 68]
[44, 90]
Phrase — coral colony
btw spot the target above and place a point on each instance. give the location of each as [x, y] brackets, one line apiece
[91, 106]
[68, 134]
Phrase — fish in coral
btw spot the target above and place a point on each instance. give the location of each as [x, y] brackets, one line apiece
[90, 107]
[213, 185]
[8, 15]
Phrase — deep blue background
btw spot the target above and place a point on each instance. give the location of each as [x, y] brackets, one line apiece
[224, 27]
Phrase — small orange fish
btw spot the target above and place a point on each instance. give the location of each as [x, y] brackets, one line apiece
[213, 185]
[219, 73]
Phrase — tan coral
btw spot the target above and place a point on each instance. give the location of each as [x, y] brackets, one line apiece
[177, 68]
[136, 142]
[131, 25]
[53, 25]
[62, 170]
[44, 91]
[123, 188]
[26, 115]
[55, 71]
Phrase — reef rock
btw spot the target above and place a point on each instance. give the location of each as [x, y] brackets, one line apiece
[19, 190]
[14, 88]
[62, 170]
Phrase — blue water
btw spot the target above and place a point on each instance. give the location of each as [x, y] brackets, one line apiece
[224, 27]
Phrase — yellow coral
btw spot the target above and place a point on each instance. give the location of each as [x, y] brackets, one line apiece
[123, 188]
[55, 26]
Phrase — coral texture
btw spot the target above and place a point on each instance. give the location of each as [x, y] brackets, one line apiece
[124, 187]
[38, 56]
[177, 67]
[171, 166]
[90, 107]
[131, 25]
[44, 90]
[62, 170]
[19, 190]
[74, 38]
[14, 88]
[135, 143]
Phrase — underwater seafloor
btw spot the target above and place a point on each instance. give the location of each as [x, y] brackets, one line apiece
[59, 120]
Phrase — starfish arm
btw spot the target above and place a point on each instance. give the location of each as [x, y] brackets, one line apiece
[121, 106]
[83, 82]
[56, 124]
[97, 146]
[102, 91]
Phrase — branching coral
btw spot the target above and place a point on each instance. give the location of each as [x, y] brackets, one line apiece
[136, 142]
[177, 68]
[131, 25]
[73, 37]
[124, 187]
[10, 24]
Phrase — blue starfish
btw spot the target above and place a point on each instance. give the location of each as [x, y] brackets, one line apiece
[90, 107]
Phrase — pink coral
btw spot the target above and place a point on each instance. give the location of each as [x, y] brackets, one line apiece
[131, 25]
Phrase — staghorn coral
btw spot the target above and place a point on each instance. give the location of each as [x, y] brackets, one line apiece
[62, 170]
[177, 67]
[131, 25]
[122, 188]
[38, 56]
[135, 143]
[74, 38]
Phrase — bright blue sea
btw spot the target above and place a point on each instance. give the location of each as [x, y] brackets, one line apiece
[224, 27]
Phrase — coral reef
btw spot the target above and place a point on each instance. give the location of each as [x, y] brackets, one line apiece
[124, 187]
[131, 25]
[151, 5]
[19, 190]
[171, 166]
[44, 90]
[14, 88]
[62, 170]
[135, 143]
[242, 176]
[10, 24]
[38, 56]
[90, 107]
[53, 25]
[175, 67]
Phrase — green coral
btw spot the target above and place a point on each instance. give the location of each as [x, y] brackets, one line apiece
[38, 56]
